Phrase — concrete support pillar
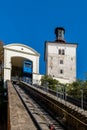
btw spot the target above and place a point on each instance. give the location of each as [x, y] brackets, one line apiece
[7, 75]
[7, 68]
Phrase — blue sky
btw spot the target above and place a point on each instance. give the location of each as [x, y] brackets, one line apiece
[32, 22]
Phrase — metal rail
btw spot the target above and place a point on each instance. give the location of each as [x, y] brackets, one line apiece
[65, 97]
[72, 117]
[41, 118]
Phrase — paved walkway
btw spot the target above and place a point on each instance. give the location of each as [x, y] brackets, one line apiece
[19, 118]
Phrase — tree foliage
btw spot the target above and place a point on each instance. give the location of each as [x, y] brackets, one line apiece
[75, 89]
[47, 80]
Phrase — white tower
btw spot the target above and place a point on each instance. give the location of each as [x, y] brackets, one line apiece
[60, 58]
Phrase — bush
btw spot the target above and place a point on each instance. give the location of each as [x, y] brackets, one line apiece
[47, 80]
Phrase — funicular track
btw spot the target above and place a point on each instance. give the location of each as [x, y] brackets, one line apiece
[66, 115]
[38, 112]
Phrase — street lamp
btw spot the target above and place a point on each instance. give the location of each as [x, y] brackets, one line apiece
[57, 91]
[82, 98]
[46, 86]
[47, 83]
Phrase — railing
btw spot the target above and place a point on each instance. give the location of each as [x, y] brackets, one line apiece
[67, 112]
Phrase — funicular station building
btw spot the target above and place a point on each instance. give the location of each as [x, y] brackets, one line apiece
[20, 62]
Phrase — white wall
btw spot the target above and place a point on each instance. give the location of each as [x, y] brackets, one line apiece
[14, 50]
[53, 58]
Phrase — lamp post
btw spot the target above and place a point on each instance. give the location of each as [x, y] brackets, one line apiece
[47, 83]
[46, 86]
[62, 91]
[57, 91]
[82, 98]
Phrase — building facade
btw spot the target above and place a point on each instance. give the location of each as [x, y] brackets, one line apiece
[14, 56]
[60, 58]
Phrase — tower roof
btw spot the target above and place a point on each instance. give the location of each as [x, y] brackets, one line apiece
[60, 31]
[59, 28]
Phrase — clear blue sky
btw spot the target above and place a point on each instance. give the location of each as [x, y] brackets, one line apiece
[32, 22]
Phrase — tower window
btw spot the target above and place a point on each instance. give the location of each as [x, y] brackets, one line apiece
[61, 61]
[61, 71]
[61, 52]
[71, 58]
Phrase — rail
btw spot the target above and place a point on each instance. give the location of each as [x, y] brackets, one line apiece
[69, 115]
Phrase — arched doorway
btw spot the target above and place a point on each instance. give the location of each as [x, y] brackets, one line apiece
[14, 57]
[21, 68]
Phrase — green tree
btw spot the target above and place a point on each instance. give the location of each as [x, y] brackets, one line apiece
[48, 80]
[74, 89]
[84, 87]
